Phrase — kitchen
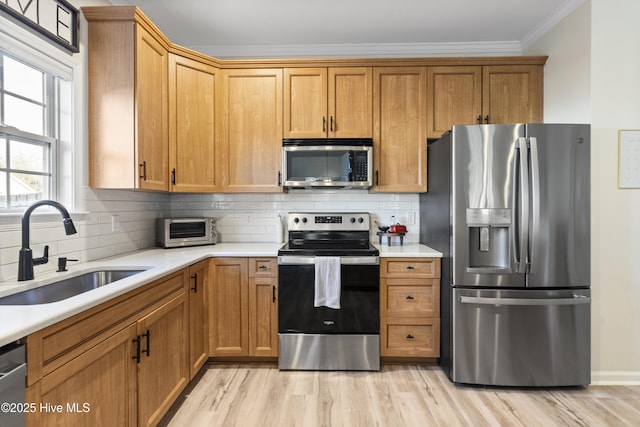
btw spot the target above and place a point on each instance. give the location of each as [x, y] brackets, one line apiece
[579, 43]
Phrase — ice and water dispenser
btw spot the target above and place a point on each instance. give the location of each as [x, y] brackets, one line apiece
[489, 231]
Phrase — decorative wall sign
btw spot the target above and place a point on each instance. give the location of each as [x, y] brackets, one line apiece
[55, 19]
[629, 159]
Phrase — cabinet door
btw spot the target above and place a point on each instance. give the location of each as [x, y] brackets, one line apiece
[97, 388]
[151, 118]
[305, 103]
[163, 370]
[455, 98]
[252, 130]
[399, 114]
[512, 94]
[228, 307]
[350, 102]
[198, 317]
[263, 307]
[192, 130]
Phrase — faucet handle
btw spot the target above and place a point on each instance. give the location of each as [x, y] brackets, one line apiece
[62, 263]
[44, 259]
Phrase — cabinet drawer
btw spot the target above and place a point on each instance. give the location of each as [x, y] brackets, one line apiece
[263, 267]
[410, 337]
[410, 267]
[410, 297]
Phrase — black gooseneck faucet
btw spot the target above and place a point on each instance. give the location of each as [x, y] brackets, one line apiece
[26, 261]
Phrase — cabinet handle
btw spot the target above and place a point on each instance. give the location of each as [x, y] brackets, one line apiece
[279, 179]
[486, 119]
[143, 167]
[377, 178]
[324, 124]
[332, 129]
[273, 293]
[410, 267]
[410, 297]
[195, 283]
[136, 341]
[262, 267]
[409, 337]
[173, 176]
[148, 349]
[479, 119]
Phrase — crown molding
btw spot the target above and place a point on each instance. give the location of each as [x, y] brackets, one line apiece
[554, 19]
[368, 50]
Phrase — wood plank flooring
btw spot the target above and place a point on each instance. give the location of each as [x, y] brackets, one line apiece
[399, 395]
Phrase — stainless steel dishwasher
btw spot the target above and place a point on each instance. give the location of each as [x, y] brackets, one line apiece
[13, 370]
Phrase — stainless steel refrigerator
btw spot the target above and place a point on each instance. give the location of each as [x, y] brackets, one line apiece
[509, 207]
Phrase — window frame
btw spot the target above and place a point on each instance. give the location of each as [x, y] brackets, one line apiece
[68, 71]
[50, 113]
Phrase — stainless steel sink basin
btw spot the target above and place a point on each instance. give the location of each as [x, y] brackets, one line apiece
[67, 288]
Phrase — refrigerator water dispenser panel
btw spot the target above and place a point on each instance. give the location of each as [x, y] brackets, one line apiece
[489, 238]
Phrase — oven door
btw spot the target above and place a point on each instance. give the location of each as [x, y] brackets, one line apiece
[359, 297]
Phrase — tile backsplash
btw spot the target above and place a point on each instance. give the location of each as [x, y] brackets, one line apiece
[119, 221]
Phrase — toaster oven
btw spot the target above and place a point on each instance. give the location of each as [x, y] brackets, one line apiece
[182, 232]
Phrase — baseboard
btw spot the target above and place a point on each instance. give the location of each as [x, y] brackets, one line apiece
[628, 378]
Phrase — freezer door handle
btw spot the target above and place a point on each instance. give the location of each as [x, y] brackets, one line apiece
[522, 202]
[575, 300]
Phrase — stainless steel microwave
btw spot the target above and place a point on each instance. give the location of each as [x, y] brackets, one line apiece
[182, 232]
[327, 163]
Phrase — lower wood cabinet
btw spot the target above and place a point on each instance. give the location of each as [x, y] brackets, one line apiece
[243, 307]
[410, 307]
[198, 317]
[121, 363]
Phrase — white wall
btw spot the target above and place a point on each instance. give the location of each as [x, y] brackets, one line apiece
[602, 85]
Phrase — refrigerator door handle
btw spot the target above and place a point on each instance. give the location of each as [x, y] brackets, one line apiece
[523, 205]
[576, 300]
[535, 202]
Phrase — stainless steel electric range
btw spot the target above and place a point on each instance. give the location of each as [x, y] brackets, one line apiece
[329, 294]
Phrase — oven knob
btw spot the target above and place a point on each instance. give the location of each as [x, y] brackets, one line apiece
[352, 220]
[296, 220]
[304, 220]
[360, 220]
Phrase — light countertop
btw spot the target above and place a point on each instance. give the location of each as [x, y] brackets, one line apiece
[17, 321]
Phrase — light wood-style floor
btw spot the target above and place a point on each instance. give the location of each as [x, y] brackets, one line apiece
[399, 395]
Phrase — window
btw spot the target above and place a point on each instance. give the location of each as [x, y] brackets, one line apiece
[28, 133]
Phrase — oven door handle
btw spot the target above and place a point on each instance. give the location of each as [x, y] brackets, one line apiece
[311, 260]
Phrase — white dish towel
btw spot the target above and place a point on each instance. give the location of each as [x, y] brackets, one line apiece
[327, 292]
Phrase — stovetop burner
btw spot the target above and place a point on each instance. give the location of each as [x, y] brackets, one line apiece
[328, 234]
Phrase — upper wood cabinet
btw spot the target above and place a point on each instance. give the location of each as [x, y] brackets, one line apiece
[399, 111]
[461, 95]
[328, 102]
[128, 104]
[251, 130]
[512, 94]
[193, 153]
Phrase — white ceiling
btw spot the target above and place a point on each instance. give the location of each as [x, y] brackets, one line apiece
[284, 28]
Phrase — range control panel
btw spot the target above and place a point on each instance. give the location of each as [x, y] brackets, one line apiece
[322, 221]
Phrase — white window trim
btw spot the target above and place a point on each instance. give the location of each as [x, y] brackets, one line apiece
[34, 49]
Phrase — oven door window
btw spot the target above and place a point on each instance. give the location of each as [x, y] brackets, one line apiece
[359, 301]
[187, 230]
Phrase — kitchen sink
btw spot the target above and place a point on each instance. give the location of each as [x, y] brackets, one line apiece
[67, 288]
